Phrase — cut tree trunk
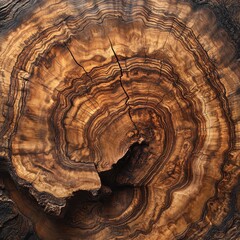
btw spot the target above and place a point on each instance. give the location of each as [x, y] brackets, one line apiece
[119, 119]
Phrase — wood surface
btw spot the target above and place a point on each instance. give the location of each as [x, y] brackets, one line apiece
[119, 119]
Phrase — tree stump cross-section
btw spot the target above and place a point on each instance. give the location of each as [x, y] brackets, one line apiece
[119, 119]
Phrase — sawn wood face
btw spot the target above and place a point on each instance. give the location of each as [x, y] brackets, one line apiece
[119, 119]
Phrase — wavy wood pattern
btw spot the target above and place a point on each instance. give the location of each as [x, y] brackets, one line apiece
[120, 119]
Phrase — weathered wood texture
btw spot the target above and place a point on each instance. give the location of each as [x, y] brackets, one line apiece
[119, 119]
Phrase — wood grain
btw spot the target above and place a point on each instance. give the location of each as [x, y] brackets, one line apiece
[120, 119]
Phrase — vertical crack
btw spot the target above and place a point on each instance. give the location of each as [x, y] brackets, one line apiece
[123, 88]
[77, 62]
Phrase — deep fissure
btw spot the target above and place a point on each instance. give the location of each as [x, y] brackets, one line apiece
[123, 88]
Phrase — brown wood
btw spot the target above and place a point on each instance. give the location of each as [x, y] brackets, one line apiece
[119, 119]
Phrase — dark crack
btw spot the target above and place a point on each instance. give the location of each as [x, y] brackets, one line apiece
[112, 178]
[121, 84]
[87, 74]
